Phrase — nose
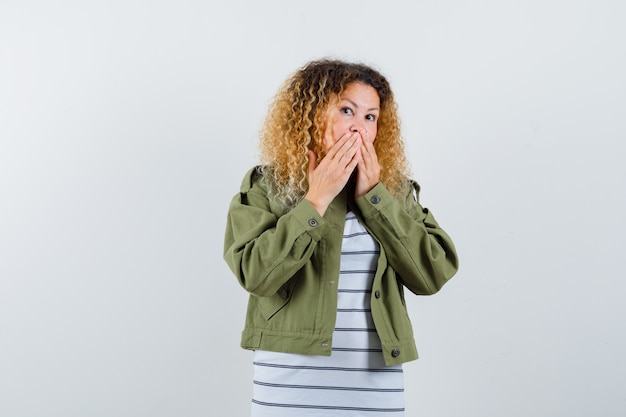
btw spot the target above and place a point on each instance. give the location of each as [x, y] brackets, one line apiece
[355, 127]
[359, 128]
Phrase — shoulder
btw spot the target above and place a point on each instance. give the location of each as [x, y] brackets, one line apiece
[256, 190]
[409, 193]
[254, 180]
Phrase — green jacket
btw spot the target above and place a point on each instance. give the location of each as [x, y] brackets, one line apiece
[289, 263]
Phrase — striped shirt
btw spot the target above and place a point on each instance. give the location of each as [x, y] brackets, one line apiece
[353, 380]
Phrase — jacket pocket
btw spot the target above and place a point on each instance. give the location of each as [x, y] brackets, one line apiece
[269, 306]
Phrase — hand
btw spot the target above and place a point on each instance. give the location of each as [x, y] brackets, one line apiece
[368, 169]
[328, 178]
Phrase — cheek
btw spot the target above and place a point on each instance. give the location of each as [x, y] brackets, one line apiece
[372, 133]
[328, 142]
[339, 129]
[334, 131]
[329, 136]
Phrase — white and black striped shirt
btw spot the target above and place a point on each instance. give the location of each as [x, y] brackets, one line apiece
[354, 380]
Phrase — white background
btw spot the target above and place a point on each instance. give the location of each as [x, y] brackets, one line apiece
[126, 127]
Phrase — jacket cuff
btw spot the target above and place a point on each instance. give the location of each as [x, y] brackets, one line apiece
[375, 200]
[309, 219]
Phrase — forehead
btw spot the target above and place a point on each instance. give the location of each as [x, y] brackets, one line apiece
[361, 93]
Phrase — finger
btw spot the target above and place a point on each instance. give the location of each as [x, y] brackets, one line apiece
[367, 140]
[354, 162]
[353, 153]
[369, 169]
[344, 143]
[364, 134]
[351, 146]
[365, 155]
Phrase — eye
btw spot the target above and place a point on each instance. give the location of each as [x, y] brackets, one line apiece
[346, 110]
[371, 117]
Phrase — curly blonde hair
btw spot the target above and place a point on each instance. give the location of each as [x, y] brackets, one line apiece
[296, 122]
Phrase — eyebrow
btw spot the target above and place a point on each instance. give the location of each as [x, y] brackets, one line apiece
[356, 105]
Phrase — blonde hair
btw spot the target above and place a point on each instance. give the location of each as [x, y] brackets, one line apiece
[296, 122]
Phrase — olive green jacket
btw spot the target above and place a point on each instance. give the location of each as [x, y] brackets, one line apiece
[289, 263]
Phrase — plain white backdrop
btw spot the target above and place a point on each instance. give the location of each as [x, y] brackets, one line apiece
[126, 126]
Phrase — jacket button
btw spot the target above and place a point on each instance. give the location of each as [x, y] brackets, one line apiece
[312, 222]
[377, 294]
[375, 199]
[395, 353]
[284, 293]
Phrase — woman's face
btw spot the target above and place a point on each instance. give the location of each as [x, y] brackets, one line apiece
[357, 110]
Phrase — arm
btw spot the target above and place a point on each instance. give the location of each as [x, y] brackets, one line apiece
[420, 252]
[264, 250]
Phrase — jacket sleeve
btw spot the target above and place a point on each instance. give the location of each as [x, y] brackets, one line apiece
[420, 252]
[264, 249]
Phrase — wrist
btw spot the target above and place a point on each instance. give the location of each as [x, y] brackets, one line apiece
[318, 205]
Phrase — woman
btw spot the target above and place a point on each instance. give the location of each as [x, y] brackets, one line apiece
[325, 235]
